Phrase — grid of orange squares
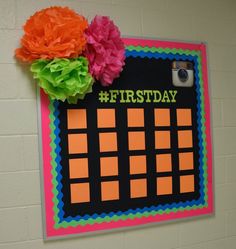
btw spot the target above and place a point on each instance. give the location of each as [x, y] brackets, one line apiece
[185, 140]
[136, 139]
[106, 118]
[78, 144]
[162, 119]
[184, 118]
[136, 142]
[136, 135]
[163, 141]
[138, 165]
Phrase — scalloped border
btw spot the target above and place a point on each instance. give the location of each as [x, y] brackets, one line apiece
[49, 214]
[146, 211]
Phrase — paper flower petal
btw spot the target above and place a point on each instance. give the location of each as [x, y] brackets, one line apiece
[55, 32]
[105, 50]
[63, 79]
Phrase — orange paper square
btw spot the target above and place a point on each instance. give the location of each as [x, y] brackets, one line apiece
[77, 143]
[106, 118]
[107, 141]
[110, 190]
[137, 164]
[78, 168]
[187, 184]
[164, 185]
[76, 119]
[109, 166]
[80, 192]
[162, 139]
[136, 140]
[138, 188]
[135, 117]
[185, 139]
[186, 161]
[184, 117]
[162, 117]
[163, 163]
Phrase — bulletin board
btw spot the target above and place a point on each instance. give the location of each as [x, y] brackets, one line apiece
[134, 153]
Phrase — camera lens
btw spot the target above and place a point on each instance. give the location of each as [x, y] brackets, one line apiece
[183, 75]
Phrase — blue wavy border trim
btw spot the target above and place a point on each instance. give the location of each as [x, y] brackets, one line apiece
[58, 159]
[145, 209]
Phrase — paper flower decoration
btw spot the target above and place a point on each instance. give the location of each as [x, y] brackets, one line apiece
[66, 53]
[55, 32]
[63, 78]
[105, 50]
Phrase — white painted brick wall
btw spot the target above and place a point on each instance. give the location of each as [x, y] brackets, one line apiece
[212, 21]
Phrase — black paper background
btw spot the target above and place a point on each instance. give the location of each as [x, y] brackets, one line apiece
[139, 73]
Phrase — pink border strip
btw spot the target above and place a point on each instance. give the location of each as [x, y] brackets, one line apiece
[208, 128]
[162, 44]
[50, 231]
[48, 195]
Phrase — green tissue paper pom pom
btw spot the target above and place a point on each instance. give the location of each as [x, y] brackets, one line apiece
[64, 79]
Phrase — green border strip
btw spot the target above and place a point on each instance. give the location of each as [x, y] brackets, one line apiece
[53, 162]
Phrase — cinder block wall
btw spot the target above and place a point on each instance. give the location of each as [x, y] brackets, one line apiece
[212, 21]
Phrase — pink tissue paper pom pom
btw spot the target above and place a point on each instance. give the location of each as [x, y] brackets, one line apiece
[105, 50]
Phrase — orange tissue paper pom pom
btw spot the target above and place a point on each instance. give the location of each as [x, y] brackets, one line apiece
[55, 32]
